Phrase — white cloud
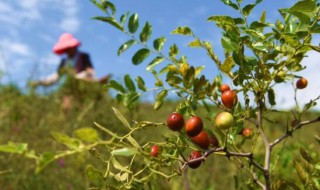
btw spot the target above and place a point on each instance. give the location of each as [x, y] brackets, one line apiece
[14, 48]
[70, 24]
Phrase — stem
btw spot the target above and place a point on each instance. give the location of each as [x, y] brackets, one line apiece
[289, 132]
[266, 171]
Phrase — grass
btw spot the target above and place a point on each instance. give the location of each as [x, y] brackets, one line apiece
[30, 118]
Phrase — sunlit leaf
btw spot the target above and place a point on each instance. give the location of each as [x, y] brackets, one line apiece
[158, 43]
[11, 147]
[195, 43]
[160, 99]
[108, 5]
[227, 65]
[123, 18]
[121, 117]
[125, 46]
[230, 3]
[146, 32]
[141, 83]
[87, 134]
[154, 63]
[140, 56]
[183, 30]
[173, 51]
[228, 44]
[71, 143]
[133, 23]
[304, 10]
[110, 20]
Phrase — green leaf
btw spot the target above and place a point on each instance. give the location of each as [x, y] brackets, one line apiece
[271, 97]
[95, 176]
[16, 148]
[161, 96]
[117, 86]
[231, 4]
[247, 9]
[317, 138]
[228, 44]
[71, 143]
[133, 23]
[130, 98]
[100, 6]
[227, 65]
[199, 69]
[222, 20]
[108, 5]
[158, 43]
[121, 117]
[258, 25]
[133, 142]
[124, 152]
[87, 134]
[141, 83]
[125, 46]
[43, 160]
[195, 43]
[317, 166]
[183, 30]
[118, 166]
[173, 51]
[129, 83]
[146, 32]
[123, 18]
[304, 10]
[111, 21]
[140, 56]
[154, 62]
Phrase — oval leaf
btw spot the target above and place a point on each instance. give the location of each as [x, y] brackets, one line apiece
[140, 56]
[141, 83]
[117, 86]
[110, 20]
[154, 62]
[158, 43]
[133, 23]
[129, 83]
[124, 152]
[121, 117]
[146, 32]
[160, 99]
[125, 46]
[183, 30]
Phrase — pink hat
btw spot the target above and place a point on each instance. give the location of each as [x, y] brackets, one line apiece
[65, 41]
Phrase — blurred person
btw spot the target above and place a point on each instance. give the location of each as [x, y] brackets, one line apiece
[74, 62]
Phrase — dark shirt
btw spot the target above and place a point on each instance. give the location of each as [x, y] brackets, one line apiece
[82, 63]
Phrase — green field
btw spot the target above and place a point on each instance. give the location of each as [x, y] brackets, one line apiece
[31, 118]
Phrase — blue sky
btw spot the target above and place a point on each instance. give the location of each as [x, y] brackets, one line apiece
[29, 28]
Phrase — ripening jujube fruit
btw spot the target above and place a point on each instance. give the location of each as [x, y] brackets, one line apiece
[302, 83]
[175, 122]
[224, 120]
[194, 155]
[229, 98]
[154, 151]
[194, 126]
[247, 132]
[202, 139]
[224, 87]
